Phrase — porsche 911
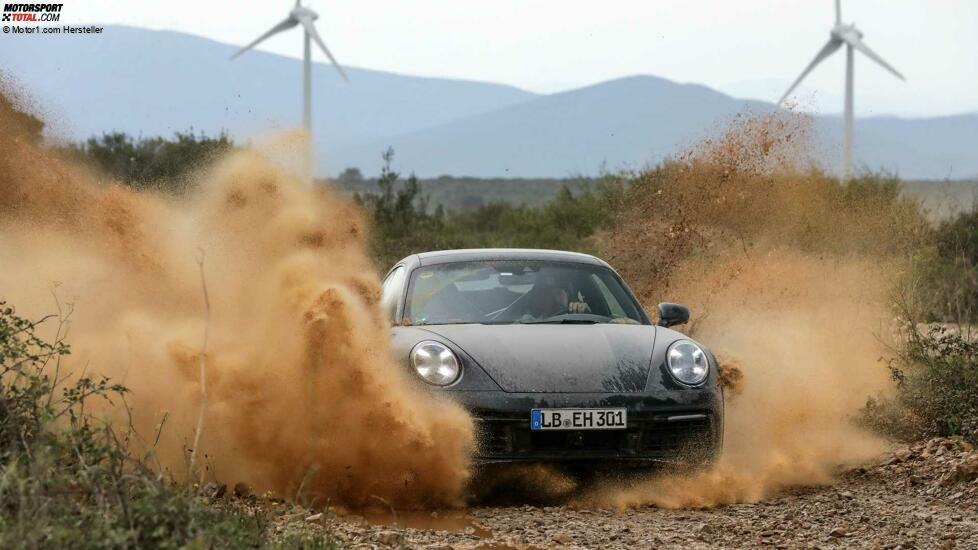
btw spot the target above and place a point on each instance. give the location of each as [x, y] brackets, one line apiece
[554, 357]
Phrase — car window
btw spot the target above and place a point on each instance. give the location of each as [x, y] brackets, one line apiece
[614, 307]
[391, 291]
[525, 291]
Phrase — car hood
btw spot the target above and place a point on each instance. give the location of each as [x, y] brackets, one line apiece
[558, 358]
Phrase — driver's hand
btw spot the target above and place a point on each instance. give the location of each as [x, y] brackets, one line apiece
[580, 306]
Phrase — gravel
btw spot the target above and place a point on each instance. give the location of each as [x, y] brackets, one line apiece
[918, 496]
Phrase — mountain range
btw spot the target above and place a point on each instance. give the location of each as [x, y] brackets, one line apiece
[149, 82]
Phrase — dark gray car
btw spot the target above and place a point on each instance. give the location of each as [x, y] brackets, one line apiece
[554, 357]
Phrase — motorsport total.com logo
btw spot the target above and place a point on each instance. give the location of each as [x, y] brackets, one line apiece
[32, 13]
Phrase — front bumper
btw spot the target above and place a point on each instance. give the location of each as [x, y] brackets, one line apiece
[687, 429]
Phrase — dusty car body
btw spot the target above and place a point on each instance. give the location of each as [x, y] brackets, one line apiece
[597, 381]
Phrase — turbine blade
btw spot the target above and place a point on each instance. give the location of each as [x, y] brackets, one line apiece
[285, 24]
[827, 50]
[855, 42]
[838, 12]
[311, 30]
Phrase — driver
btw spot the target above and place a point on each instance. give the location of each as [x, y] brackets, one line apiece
[547, 298]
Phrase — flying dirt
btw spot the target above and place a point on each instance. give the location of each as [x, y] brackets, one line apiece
[785, 271]
[788, 277]
[302, 396]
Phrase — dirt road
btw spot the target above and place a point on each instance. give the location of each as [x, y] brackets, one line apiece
[919, 496]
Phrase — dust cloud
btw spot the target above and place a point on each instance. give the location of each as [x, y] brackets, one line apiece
[788, 275]
[786, 272]
[303, 398]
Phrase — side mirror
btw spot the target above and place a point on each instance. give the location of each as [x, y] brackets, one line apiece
[672, 314]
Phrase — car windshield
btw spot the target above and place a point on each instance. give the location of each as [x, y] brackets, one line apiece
[506, 292]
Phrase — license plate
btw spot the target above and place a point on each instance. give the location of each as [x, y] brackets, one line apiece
[578, 419]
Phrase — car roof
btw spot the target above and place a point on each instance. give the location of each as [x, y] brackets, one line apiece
[481, 254]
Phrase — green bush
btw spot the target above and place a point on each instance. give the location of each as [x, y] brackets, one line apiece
[936, 370]
[152, 163]
[936, 375]
[403, 224]
[66, 478]
[951, 271]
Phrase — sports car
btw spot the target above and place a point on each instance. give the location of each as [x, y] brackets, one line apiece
[554, 357]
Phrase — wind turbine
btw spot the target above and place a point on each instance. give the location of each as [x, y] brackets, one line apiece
[301, 15]
[852, 38]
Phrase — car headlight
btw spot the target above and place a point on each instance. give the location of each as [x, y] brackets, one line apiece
[687, 362]
[435, 363]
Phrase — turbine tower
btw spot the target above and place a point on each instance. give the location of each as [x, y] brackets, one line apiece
[852, 38]
[300, 15]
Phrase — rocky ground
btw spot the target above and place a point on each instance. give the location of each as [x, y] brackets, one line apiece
[919, 496]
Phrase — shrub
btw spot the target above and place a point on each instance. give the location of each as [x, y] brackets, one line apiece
[404, 226]
[66, 478]
[951, 272]
[715, 206]
[936, 375]
[152, 163]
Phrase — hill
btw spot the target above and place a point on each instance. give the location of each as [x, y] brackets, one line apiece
[632, 122]
[147, 83]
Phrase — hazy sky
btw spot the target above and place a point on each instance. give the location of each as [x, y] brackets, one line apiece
[748, 48]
